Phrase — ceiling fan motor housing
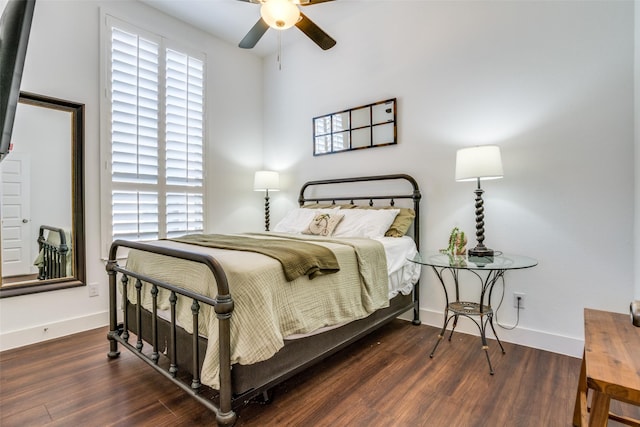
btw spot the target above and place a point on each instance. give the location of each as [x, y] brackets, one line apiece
[280, 14]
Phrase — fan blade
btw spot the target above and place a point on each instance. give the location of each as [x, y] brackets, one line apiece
[315, 33]
[309, 2]
[254, 34]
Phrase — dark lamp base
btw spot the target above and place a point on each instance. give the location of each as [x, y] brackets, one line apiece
[481, 251]
[480, 255]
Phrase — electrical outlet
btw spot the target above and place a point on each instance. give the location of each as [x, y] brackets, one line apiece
[516, 296]
[93, 290]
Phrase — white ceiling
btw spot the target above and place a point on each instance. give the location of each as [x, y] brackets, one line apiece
[230, 20]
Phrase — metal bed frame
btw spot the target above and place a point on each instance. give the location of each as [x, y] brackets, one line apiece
[54, 262]
[225, 400]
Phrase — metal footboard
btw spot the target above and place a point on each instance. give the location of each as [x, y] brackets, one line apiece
[222, 305]
[54, 253]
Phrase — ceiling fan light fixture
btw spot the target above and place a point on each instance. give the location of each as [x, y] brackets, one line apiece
[280, 14]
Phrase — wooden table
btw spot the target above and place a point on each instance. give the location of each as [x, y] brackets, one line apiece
[610, 368]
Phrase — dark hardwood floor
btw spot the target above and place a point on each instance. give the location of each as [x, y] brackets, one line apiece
[387, 379]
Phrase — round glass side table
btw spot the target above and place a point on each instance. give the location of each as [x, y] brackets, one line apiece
[488, 270]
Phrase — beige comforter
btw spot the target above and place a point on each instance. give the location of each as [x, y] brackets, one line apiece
[267, 306]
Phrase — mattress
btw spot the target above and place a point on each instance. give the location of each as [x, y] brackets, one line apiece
[402, 273]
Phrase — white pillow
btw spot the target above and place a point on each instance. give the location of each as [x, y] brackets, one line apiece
[371, 223]
[297, 220]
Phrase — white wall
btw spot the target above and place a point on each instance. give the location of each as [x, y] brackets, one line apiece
[550, 82]
[63, 62]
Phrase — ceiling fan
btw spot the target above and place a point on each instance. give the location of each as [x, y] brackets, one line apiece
[283, 14]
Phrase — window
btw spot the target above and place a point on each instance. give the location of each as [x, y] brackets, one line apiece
[155, 164]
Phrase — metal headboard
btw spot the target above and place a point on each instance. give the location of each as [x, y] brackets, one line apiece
[415, 195]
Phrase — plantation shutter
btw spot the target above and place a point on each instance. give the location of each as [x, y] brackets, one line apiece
[184, 137]
[134, 113]
[156, 139]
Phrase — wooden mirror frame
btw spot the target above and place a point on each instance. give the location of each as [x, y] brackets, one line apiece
[77, 203]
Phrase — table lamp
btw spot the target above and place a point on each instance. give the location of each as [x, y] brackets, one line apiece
[476, 164]
[265, 181]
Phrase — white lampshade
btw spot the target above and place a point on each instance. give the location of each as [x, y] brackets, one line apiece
[266, 181]
[280, 14]
[483, 162]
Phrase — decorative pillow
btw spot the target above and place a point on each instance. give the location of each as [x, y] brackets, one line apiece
[297, 220]
[323, 224]
[369, 223]
[402, 223]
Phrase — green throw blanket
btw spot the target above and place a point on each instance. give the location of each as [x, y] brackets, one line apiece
[297, 258]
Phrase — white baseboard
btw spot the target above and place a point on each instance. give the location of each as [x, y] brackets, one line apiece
[522, 336]
[555, 343]
[35, 334]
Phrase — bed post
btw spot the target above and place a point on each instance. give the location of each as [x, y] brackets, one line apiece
[223, 308]
[416, 237]
[113, 308]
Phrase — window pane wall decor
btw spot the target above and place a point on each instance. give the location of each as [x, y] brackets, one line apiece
[367, 126]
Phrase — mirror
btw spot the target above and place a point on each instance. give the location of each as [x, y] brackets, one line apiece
[367, 126]
[41, 198]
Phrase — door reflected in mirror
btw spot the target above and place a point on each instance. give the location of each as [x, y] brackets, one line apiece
[42, 233]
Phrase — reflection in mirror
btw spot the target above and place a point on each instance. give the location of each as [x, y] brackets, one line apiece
[340, 122]
[42, 233]
[341, 141]
[383, 134]
[322, 125]
[361, 138]
[322, 144]
[360, 117]
[383, 112]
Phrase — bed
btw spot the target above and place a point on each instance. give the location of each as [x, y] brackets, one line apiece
[54, 253]
[226, 321]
